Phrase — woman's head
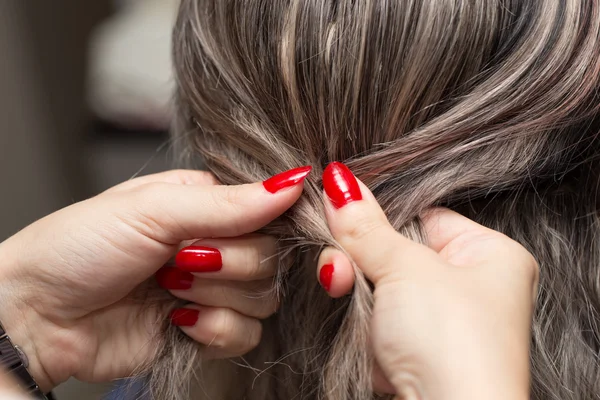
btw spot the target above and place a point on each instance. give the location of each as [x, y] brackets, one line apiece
[488, 107]
[401, 90]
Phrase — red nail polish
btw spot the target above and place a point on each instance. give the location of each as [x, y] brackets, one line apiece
[184, 317]
[286, 179]
[171, 278]
[325, 276]
[340, 185]
[199, 259]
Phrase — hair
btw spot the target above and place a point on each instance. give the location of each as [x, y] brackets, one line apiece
[488, 107]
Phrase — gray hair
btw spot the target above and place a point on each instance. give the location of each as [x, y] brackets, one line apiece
[488, 107]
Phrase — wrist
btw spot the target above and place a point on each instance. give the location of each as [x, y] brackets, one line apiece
[468, 389]
[470, 373]
[465, 383]
[19, 326]
[44, 345]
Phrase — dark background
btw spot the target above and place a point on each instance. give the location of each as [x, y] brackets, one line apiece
[53, 150]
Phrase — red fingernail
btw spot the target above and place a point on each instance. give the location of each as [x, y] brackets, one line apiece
[171, 278]
[199, 259]
[286, 179]
[184, 317]
[340, 185]
[325, 276]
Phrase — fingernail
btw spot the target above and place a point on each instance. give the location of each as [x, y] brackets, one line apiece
[184, 317]
[199, 259]
[325, 276]
[340, 185]
[172, 278]
[286, 179]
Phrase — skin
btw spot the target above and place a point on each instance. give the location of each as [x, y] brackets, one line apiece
[68, 282]
[451, 320]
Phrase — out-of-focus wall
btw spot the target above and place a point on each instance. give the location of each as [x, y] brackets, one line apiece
[42, 109]
[43, 118]
[51, 154]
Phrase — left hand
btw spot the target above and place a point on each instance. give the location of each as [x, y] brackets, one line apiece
[70, 283]
[451, 319]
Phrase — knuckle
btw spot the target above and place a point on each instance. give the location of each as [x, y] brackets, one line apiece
[156, 213]
[188, 177]
[149, 197]
[267, 246]
[390, 265]
[143, 210]
[151, 191]
[220, 332]
[233, 334]
[361, 227]
[228, 201]
[262, 299]
[254, 336]
[530, 264]
[524, 263]
[231, 196]
[254, 262]
[260, 259]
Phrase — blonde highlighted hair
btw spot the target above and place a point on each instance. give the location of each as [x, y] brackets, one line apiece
[489, 107]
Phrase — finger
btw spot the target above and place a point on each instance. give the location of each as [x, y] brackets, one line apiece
[220, 329]
[176, 176]
[442, 226]
[462, 241]
[170, 213]
[335, 273]
[360, 226]
[246, 258]
[253, 299]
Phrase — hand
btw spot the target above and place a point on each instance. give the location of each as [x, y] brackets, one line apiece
[451, 320]
[70, 284]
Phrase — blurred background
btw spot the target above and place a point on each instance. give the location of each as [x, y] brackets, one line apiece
[84, 104]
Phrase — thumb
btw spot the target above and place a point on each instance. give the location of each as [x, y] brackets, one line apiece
[170, 213]
[360, 226]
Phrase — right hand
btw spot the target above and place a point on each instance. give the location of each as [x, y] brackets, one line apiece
[451, 320]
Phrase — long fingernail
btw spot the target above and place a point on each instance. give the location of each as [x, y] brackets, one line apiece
[172, 278]
[184, 317]
[326, 276]
[286, 179]
[340, 185]
[199, 259]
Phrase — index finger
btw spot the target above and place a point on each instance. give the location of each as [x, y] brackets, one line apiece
[171, 213]
[361, 227]
[443, 225]
[176, 176]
